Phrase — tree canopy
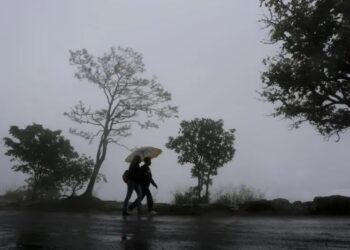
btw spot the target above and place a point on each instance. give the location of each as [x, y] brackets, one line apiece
[130, 98]
[206, 145]
[309, 78]
[49, 159]
[77, 171]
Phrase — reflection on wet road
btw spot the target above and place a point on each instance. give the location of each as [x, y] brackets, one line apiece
[33, 230]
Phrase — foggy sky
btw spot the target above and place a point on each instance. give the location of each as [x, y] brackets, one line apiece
[206, 53]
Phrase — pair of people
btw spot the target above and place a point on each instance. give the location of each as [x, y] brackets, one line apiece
[139, 180]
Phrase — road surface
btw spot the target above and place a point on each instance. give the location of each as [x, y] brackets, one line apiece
[38, 230]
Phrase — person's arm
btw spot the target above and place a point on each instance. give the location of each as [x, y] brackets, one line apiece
[151, 179]
[153, 183]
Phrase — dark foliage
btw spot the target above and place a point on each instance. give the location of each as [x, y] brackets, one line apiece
[206, 145]
[49, 159]
[309, 79]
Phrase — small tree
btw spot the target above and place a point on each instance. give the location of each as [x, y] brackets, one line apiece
[41, 153]
[130, 99]
[53, 166]
[77, 173]
[309, 79]
[207, 146]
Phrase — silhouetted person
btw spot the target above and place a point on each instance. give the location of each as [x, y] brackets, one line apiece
[145, 180]
[133, 184]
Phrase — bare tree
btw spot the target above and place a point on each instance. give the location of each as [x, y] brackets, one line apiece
[130, 99]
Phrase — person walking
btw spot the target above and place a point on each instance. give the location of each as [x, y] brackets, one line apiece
[133, 184]
[145, 181]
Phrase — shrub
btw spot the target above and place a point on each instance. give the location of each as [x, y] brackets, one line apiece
[235, 196]
[16, 195]
[188, 197]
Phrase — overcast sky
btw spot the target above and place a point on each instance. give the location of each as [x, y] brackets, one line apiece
[207, 53]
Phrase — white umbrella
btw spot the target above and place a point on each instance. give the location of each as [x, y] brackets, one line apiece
[143, 152]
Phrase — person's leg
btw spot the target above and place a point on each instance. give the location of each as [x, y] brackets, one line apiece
[149, 199]
[129, 191]
[138, 191]
[134, 204]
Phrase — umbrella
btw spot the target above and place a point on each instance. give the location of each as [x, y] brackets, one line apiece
[150, 152]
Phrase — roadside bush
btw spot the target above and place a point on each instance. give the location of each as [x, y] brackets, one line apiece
[188, 197]
[16, 195]
[235, 196]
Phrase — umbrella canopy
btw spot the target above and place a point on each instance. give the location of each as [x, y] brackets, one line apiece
[150, 152]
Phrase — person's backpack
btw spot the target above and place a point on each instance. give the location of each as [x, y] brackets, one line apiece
[126, 176]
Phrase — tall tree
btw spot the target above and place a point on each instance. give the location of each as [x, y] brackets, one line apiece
[130, 99]
[42, 154]
[206, 145]
[309, 78]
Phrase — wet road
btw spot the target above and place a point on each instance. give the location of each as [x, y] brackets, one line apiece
[33, 230]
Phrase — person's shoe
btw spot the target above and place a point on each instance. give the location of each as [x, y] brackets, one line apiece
[126, 214]
[130, 211]
[152, 212]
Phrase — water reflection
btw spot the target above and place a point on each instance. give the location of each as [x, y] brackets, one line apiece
[138, 233]
[209, 234]
[33, 240]
[91, 231]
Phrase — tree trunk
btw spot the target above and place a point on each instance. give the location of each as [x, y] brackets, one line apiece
[207, 191]
[207, 183]
[35, 188]
[90, 187]
[73, 191]
[34, 192]
[199, 188]
[200, 182]
[100, 157]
